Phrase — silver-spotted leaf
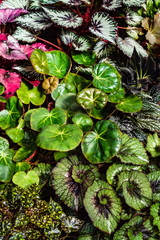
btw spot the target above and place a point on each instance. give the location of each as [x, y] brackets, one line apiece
[24, 35]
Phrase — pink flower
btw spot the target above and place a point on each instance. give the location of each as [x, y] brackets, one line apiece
[9, 15]
[10, 80]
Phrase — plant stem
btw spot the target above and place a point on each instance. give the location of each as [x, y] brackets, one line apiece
[4, 28]
[123, 28]
[111, 114]
[78, 70]
[89, 84]
[43, 40]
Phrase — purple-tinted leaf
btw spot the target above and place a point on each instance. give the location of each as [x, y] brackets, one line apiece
[9, 15]
[10, 80]
[12, 43]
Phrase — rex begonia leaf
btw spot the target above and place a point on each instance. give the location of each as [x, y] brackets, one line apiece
[9, 15]
[22, 4]
[34, 95]
[10, 116]
[24, 35]
[91, 97]
[42, 117]
[64, 18]
[71, 224]
[44, 172]
[75, 82]
[10, 80]
[103, 26]
[133, 18]
[111, 5]
[60, 138]
[103, 206]
[83, 121]
[59, 64]
[153, 145]
[106, 77]
[101, 144]
[72, 2]
[155, 213]
[130, 104]
[136, 189]
[39, 61]
[7, 53]
[24, 180]
[68, 37]
[71, 178]
[116, 97]
[87, 58]
[132, 151]
[116, 169]
[133, 3]
[81, 43]
[154, 178]
[6, 165]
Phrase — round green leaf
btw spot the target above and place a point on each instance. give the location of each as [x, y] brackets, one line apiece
[106, 77]
[103, 143]
[116, 97]
[103, 206]
[59, 63]
[96, 113]
[130, 104]
[42, 117]
[83, 121]
[22, 166]
[39, 61]
[15, 134]
[91, 97]
[24, 180]
[60, 138]
[87, 58]
[27, 117]
[60, 90]
[75, 82]
[27, 94]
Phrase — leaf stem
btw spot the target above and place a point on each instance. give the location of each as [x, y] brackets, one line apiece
[123, 28]
[78, 70]
[111, 114]
[43, 40]
[4, 28]
[89, 84]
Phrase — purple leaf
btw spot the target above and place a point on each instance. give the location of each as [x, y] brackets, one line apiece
[10, 80]
[9, 15]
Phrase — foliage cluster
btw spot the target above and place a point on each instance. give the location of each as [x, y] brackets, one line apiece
[79, 119]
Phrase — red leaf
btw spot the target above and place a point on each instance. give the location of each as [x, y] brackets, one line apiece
[10, 80]
[9, 15]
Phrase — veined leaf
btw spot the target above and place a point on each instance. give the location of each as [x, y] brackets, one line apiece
[117, 97]
[154, 178]
[153, 145]
[132, 151]
[83, 121]
[85, 58]
[101, 49]
[72, 2]
[130, 104]
[132, 3]
[150, 109]
[155, 210]
[24, 35]
[71, 224]
[148, 123]
[34, 20]
[103, 26]
[24, 180]
[24, 4]
[39, 61]
[111, 5]
[35, 4]
[127, 46]
[68, 37]
[103, 206]
[136, 189]
[64, 18]
[16, 134]
[133, 18]
[81, 43]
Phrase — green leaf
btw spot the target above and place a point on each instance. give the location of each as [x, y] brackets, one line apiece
[16, 134]
[148, 123]
[132, 151]
[116, 169]
[44, 172]
[2, 89]
[133, 3]
[136, 189]
[85, 58]
[155, 210]
[10, 116]
[6, 165]
[71, 178]
[42, 117]
[27, 94]
[153, 145]
[60, 138]
[91, 97]
[83, 121]
[106, 78]
[103, 206]
[101, 144]
[39, 61]
[59, 63]
[116, 97]
[130, 104]
[23, 153]
[22, 166]
[75, 82]
[60, 90]
[154, 178]
[27, 117]
[24, 180]
[96, 113]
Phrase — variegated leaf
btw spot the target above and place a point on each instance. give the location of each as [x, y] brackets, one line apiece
[81, 43]
[72, 2]
[111, 5]
[86, 1]
[68, 37]
[103, 26]
[127, 46]
[24, 35]
[64, 18]
[100, 49]
[27, 70]
[133, 18]
[35, 4]
[131, 3]
[24, 4]
[35, 20]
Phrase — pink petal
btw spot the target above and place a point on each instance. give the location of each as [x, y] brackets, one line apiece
[9, 15]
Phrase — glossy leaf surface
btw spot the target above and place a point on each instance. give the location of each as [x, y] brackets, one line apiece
[130, 104]
[39, 61]
[85, 58]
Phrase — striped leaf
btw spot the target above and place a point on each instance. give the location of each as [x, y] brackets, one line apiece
[24, 4]
[24, 35]
[72, 2]
[111, 5]
[131, 3]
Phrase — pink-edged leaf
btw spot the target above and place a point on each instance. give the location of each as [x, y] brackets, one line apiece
[3, 37]
[12, 43]
[18, 55]
[26, 49]
[9, 15]
[10, 80]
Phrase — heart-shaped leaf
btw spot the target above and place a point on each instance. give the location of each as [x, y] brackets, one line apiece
[91, 97]
[75, 82]
[59, 63]
[130, 104]
[60, 138]
[16, 134]
[39, 61]
[22, 166]
[27, 94]
[83, 121]
[24, 180]
[60, 90]
[85, 58]
[103, 143]
[106, 78]
[116, 97]
[42, 117]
